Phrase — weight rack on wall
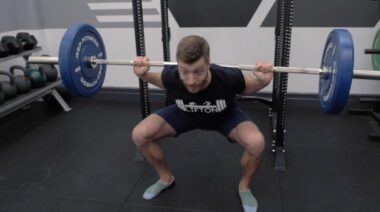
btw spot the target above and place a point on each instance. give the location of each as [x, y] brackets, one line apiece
[23, 100]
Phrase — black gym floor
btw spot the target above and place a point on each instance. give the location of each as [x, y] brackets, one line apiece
[83, 161]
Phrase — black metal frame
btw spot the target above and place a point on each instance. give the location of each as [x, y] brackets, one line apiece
[140, 51]
[280, 80]
[165, 29]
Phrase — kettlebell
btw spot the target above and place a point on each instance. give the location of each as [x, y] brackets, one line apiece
[50, 70]
[37, 76]
[9, 87]
[22, 82]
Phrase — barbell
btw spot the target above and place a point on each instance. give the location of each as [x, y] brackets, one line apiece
[82, 64]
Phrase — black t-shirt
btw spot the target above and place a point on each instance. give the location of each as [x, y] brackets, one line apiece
[214, 101]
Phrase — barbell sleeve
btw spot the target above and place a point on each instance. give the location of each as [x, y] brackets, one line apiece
[366, 74]
[43, 60]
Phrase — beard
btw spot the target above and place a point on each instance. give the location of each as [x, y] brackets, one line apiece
[196, 88]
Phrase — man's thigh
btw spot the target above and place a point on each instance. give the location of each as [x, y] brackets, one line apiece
[230, 122]
[180, 121]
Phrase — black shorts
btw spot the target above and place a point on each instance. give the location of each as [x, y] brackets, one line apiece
[182, 121]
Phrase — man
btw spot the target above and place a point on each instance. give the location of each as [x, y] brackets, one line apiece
[204, 96]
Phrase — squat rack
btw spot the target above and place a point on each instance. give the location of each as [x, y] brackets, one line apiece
[283, 33]
[138, 22]
[277, 105]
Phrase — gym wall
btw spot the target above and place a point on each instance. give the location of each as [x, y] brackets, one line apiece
[239, 31]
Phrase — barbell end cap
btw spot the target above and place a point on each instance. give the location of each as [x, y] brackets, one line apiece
[91, 62]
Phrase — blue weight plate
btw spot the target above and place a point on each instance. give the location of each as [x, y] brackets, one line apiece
[338, 59]
[79, 43]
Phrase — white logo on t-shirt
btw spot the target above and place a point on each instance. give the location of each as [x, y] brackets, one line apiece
[206, 107]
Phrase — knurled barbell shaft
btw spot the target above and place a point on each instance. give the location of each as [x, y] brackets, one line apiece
[94, 61]
[280, 69]
[358, 74]
[129, 62]
[240, 66]
[55, 60]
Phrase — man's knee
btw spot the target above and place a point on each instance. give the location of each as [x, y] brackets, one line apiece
[140, 135]
[255, 143]
[249, 136]
[150, 129]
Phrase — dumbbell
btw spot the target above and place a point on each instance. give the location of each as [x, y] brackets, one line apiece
[12, 43]
[4, 50]
[27, 41]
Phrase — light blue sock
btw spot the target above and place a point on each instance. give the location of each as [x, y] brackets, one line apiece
[155, 189]
[248, 201]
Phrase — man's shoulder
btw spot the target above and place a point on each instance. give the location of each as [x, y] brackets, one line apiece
[229, 77]
[171, 68]
[225, 71]
[170, 71]
[170, 76]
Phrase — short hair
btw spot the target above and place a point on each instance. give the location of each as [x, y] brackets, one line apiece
[191, 48]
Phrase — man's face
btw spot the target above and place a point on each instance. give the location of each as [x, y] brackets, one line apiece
[194, 76]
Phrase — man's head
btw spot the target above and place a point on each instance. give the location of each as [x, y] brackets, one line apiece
[191, 48]
[193, 56]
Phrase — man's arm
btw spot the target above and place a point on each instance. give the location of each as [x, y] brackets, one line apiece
[258, 78]
[153, 78]
[141, 68]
